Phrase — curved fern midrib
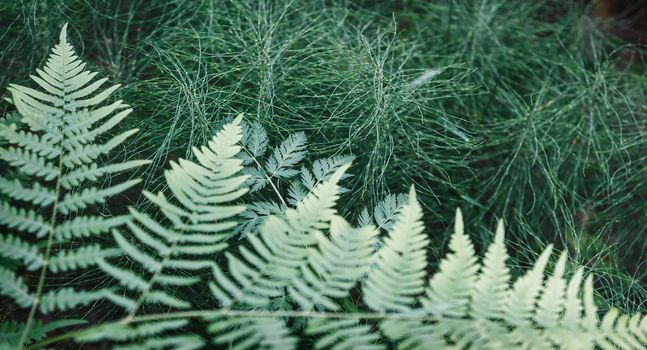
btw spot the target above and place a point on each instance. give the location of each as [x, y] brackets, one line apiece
[52, 227]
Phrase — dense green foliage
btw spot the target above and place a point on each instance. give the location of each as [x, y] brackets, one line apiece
[525, 111]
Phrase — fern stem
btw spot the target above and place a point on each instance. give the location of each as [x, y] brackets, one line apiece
[278, 194]
[286, 314]
[269, 179]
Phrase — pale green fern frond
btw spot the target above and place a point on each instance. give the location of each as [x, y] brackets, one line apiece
[341, 259]
[278, 251]
[57, 140]
[168, 254]
[465, 306]
[68, 298]
[251, 333]
[398, 276]
[489, 292]
[14, 248]
[12, 331]
[196, 228]
[484, 311]
[278, 255]
[343, 335]
[321, 171]
[151, 335]
[450, 288]
[14, 287]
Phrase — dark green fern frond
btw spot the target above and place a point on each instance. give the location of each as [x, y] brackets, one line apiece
[384, 213]
[281, 162]
[284, 168]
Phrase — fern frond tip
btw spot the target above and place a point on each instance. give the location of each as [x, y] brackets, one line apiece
[238, 119]
[458, 223]
[63, 35]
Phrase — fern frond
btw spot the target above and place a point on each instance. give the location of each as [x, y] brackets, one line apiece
[42, 145]
[14, 287]
[151, 335]
[37, 194]
[75, 201]
[23, 220]
[321, 171]
[125, 277]
[398, 276]
[12, 331]
[251, 333]
[254, 141]
[163, 298]
[86, 226]
[385, 211]
[313, 258]
[85, 256]
[256, 213]
[489, 292]
[29, 163]
[279, 250]
[87, 154]
[86, 119]
[53, 149]
[286, 155]
[520, 301]
[14, 248]
[414, 334]
[11, 118]
[257, 178]
[66, 299]
[94, 172]
[120, 299]
[335, 267]
[343, 335]
[551, 301]
[196, 227]
[482, 310]
[449, 289]
[177, 342]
